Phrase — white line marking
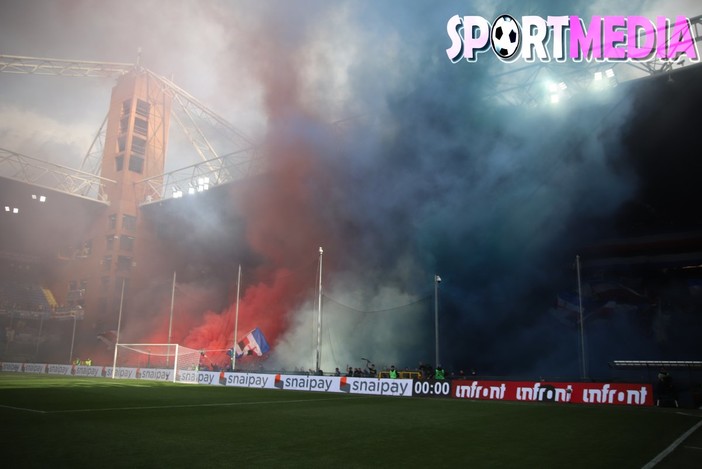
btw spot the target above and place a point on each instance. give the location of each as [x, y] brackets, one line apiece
[673, 445]
[224, 404]
[23, 409]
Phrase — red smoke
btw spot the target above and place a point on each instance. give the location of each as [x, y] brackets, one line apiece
[283, 226]
[265, 305]
[284, 223]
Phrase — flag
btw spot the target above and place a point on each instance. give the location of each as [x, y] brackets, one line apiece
[615, 291]
[568, 302]
[254, 343]
[109, 338]
[612, 307]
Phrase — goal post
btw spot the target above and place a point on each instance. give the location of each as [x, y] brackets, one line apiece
[182, 361]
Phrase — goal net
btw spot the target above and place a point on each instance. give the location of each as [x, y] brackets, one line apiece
[165, 362]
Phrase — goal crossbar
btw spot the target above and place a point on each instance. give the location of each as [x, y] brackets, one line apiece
[184, 358]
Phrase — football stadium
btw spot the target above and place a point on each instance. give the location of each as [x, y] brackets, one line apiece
[347, 233]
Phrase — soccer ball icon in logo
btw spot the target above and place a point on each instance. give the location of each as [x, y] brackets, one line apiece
[506, 37]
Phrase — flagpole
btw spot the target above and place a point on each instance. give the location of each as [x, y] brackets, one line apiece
[41, 326]
[583, 364]
[119, 325]
[319, 313]
[170, 321]
[437, 280]
[73, 338]
[236, 319]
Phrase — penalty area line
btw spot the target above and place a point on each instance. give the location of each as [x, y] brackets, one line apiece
[185, 406]
[672, 446]
[23, 409]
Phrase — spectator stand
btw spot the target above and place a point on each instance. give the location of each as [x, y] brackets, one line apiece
[676, 382]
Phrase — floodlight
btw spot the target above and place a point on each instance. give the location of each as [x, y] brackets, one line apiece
[7, 209]
[555, 99]
[562, 86]
[203, 183]
[15, 210]
[34, 197]
[609, 73]
[191, 190]
[598, 76]
[42, 198]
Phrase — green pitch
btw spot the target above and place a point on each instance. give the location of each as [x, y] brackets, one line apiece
[70, 422]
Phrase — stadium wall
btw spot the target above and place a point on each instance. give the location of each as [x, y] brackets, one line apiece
[627, 394]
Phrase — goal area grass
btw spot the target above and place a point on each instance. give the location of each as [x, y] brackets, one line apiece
[52, 421]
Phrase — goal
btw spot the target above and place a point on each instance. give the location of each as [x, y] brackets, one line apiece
[166, 362]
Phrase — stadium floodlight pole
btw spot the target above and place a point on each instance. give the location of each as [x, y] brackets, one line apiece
[437, 281]
[319, 313]
[583, 362]
[236, 318]
[119, 325]
[170, 321]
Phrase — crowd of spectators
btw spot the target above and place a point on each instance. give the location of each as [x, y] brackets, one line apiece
[15, 295]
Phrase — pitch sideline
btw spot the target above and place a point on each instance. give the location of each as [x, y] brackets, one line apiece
[652, 463]
[23, 409]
